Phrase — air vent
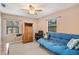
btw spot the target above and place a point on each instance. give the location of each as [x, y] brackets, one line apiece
[3, 5]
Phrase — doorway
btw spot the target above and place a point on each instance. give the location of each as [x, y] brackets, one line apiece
[28, 32]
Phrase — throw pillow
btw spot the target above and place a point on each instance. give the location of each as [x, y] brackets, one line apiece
[72, 43]
[46, 35]
[77, 47]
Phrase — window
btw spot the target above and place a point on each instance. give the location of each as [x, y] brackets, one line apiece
[12, 27]
[52, 25]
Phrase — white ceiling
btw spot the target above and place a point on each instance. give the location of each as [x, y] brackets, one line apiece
[48, 8]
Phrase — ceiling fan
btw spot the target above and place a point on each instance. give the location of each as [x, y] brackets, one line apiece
[32, 10]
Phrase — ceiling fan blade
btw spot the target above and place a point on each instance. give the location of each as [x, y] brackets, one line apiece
[24, 9]
[38, 10]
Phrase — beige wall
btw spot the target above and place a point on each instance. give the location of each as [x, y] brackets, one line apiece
[67, 23]
[0, 33]
[42, 25]
[0, 28]
[22, 20]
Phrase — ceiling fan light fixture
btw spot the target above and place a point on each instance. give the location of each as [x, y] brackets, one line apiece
[32, 10]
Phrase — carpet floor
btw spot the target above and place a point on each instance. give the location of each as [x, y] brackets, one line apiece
[32, 48]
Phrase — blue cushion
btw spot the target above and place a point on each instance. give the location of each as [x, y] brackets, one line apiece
[60, 35]
[70, 52]
[75, 36]
[57, 49]
[59, 41]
